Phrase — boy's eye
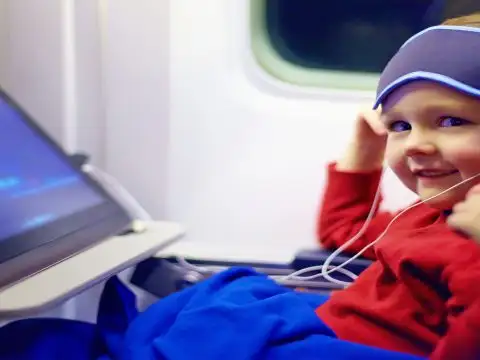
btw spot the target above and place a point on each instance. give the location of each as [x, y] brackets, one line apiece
[399, 126]
[450, 121]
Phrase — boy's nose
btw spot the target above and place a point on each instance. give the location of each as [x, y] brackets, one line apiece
[419, 143]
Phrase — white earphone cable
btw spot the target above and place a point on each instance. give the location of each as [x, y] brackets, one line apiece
[326, 269]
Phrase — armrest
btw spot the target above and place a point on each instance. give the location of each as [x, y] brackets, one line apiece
[314, 257]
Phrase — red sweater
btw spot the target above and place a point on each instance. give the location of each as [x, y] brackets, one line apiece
[422, 293]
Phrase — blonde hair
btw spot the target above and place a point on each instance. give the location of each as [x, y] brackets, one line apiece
[472, 20]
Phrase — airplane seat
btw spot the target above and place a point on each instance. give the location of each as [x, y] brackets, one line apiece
[162, 276]
[314, 257]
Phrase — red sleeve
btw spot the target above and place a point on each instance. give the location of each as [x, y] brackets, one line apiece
[347, 201]
[462, 340]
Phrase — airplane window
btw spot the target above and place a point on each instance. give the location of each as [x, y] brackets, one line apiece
[313, 38]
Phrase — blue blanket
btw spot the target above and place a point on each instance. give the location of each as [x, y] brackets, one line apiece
[236, 315]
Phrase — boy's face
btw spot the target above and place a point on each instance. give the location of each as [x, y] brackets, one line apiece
[433, 140]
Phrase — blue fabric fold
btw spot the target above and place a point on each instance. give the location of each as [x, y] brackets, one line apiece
[238, 314]
[62, 339]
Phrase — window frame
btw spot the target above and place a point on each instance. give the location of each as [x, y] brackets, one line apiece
[276, 66]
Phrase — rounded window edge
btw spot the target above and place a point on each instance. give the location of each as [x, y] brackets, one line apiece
[268, 59]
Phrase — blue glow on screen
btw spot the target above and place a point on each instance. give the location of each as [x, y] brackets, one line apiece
[36, 185]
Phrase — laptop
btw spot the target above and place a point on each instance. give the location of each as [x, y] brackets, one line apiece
[49, 208]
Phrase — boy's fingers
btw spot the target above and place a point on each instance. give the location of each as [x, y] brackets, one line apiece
[373, 120]
[458, 222]
[475, 189]
[457, 208]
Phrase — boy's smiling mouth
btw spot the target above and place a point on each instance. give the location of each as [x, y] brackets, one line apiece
[433, 176]
[433, 173]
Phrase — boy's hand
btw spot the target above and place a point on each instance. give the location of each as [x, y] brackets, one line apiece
[369, 127]
[466, 214]
[366, 149]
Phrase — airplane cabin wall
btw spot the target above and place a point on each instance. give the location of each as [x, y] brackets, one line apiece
[247, 154]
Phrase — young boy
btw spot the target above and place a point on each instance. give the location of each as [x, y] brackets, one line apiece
[422, 289]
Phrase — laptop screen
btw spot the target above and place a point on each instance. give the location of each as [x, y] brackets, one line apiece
[37, 185]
